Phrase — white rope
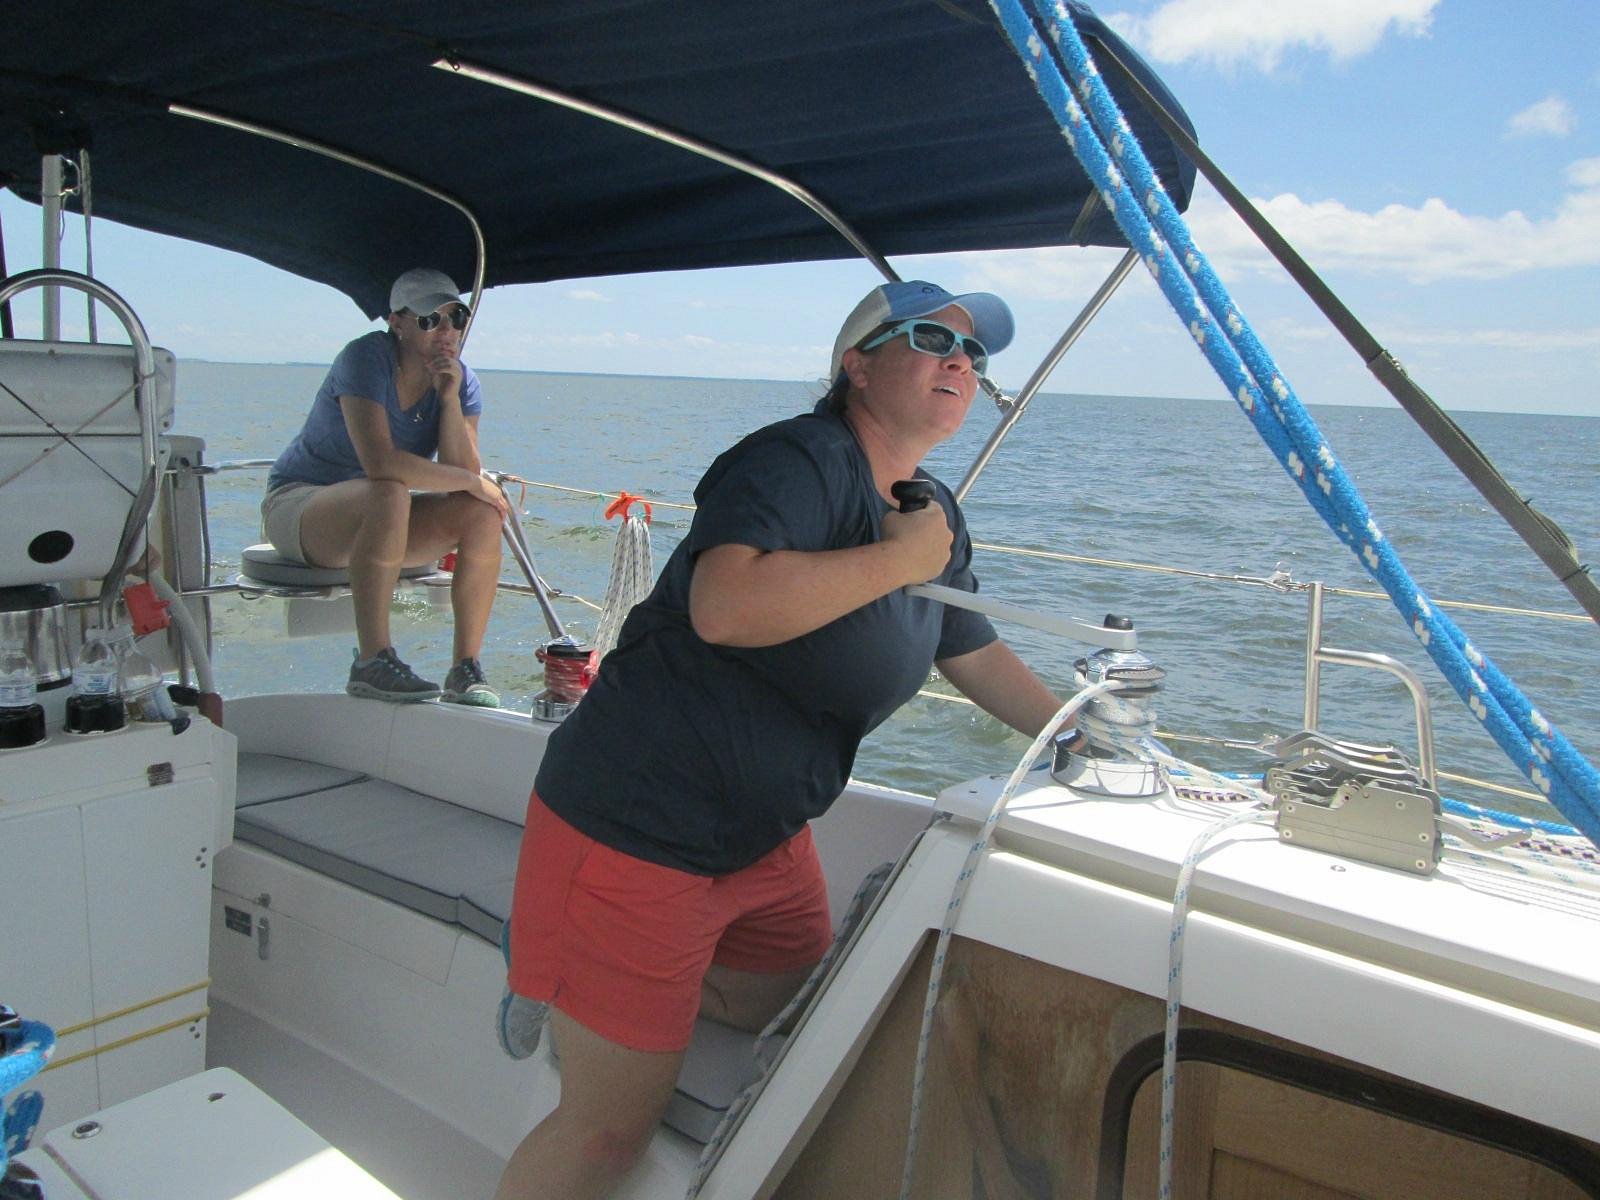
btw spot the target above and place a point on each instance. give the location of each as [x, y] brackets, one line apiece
[1169, 1043]
[953, 912]
[632, 576]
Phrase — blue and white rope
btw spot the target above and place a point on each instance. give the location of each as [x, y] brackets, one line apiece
[34, 1043]
[958, 895]
[1124, 177]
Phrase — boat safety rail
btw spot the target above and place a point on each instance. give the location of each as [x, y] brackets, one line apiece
[144, 398]
[1280, 580]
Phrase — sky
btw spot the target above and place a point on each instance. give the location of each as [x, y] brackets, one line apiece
[1436, 161]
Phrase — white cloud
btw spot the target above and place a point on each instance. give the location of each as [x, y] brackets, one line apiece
[1550, 117]
[1537, 341]
[587, 294]
[1585, 173]
[1048, 273]
[1422, 243]
[1233, 33]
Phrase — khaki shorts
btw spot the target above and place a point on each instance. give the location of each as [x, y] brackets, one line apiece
[280, 517]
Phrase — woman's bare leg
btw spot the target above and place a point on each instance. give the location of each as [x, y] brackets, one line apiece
[747, 1000]
[612, 1099]
[374, 527]
[362, 525]
[457, 521]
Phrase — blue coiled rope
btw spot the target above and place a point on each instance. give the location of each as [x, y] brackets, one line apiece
[32, 1046]
[1101, 140]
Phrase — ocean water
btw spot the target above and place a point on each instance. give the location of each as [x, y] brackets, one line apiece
[1179, 483]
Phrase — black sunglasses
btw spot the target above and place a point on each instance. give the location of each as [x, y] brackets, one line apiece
[458, 315]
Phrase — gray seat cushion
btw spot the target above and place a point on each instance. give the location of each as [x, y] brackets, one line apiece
[262, 564]
[486, 906]
[412, 849]
[274, 777]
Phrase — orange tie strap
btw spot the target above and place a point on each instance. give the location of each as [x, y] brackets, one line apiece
[624, 501]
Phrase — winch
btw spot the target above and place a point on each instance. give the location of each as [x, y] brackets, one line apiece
[1113, 722]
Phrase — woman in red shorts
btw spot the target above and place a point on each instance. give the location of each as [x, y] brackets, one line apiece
[667, 869]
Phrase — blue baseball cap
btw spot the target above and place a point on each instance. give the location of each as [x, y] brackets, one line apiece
[891, 303]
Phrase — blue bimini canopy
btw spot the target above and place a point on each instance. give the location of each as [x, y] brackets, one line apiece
[912, 119]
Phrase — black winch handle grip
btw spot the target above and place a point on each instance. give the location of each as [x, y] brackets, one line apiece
[913, 494]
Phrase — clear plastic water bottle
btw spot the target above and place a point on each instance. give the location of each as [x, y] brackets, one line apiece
[141, 686]
[21, 717]
[95, 706]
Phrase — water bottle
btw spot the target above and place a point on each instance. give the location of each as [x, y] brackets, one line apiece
[141, 685]
[21, 718]
[95, 706]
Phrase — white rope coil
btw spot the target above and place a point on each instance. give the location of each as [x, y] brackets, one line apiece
[632, 576]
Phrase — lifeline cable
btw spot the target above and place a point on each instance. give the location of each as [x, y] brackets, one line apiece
[1535, 746]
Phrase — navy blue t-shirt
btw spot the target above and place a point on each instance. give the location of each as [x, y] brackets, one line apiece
[705, 757]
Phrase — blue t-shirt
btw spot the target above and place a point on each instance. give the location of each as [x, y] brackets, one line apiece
[705, 757]
[322, 451]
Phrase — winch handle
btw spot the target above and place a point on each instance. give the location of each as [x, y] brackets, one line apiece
[913, 494]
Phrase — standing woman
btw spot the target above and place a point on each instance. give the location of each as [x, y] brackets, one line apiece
[667, 868]
[359, 488]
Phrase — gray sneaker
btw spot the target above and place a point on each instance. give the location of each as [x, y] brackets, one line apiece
[466, 685]
[519, 1024]
[385, 677]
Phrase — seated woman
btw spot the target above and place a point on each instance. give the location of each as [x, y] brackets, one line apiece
[358, 486]
[667, 868]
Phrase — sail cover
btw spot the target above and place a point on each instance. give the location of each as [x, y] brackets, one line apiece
[911, 118]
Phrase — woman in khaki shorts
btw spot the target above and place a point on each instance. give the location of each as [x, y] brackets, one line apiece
[385, 473]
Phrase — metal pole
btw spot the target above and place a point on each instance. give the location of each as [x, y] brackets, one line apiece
[304, 143]
[144, 370]
[1042, 372]
[1317, 654]
[1313, 661]
[511, 528]
[50, 258]
[672, 137]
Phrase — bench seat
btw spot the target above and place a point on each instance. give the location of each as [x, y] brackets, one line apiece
[452, 864]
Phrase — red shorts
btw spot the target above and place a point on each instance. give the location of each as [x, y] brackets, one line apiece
[621, 945]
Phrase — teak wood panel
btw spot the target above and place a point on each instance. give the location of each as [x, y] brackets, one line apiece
[1014, 1109]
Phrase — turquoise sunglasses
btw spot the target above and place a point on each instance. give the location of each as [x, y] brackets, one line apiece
[930, 337]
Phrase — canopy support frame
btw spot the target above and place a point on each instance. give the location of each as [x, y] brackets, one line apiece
[300, 142]
[1042, 372]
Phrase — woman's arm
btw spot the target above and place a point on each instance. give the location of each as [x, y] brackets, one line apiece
[458, 433]
[742, 596]
[368, 426]
[1001, 684]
